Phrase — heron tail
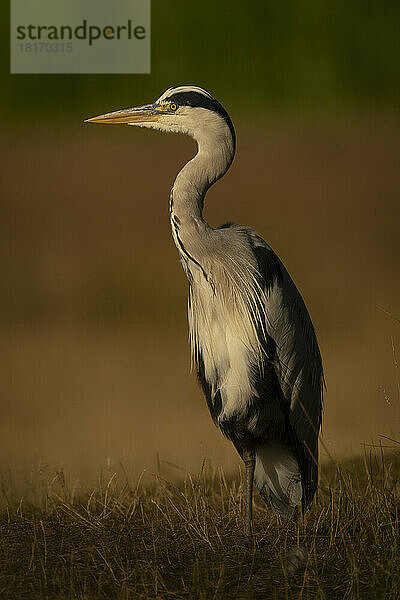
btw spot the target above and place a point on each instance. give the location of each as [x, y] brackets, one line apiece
[277, 477]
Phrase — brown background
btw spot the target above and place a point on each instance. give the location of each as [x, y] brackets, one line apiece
[95, 360]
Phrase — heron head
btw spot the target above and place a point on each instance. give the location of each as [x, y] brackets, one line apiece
[184, 109]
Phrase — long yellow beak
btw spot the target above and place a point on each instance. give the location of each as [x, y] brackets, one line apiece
[140, 114]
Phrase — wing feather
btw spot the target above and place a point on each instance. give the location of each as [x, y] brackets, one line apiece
[297, 361]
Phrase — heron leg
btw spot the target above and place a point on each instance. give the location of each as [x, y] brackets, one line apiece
[249, 461]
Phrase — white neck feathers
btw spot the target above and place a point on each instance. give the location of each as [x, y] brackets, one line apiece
[216, 149]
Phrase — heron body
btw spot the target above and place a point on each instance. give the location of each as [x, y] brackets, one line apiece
[252, 340]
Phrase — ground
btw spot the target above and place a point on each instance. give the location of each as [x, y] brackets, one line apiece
[164, 540]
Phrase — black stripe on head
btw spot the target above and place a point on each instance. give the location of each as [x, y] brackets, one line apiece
[198, 100]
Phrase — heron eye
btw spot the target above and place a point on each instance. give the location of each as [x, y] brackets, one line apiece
[173, 106]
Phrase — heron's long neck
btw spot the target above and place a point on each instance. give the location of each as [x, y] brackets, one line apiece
[212, 160]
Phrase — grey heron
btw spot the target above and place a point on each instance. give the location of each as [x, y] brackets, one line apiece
[252, 339]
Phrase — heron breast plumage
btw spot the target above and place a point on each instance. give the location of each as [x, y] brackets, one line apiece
[226, 317]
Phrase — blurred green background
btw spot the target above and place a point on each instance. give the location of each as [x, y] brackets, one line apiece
[93, 301]
[309, 55]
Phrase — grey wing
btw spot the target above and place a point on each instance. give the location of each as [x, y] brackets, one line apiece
[297, 360]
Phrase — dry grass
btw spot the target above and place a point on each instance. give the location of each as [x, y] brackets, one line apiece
[165, 540]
